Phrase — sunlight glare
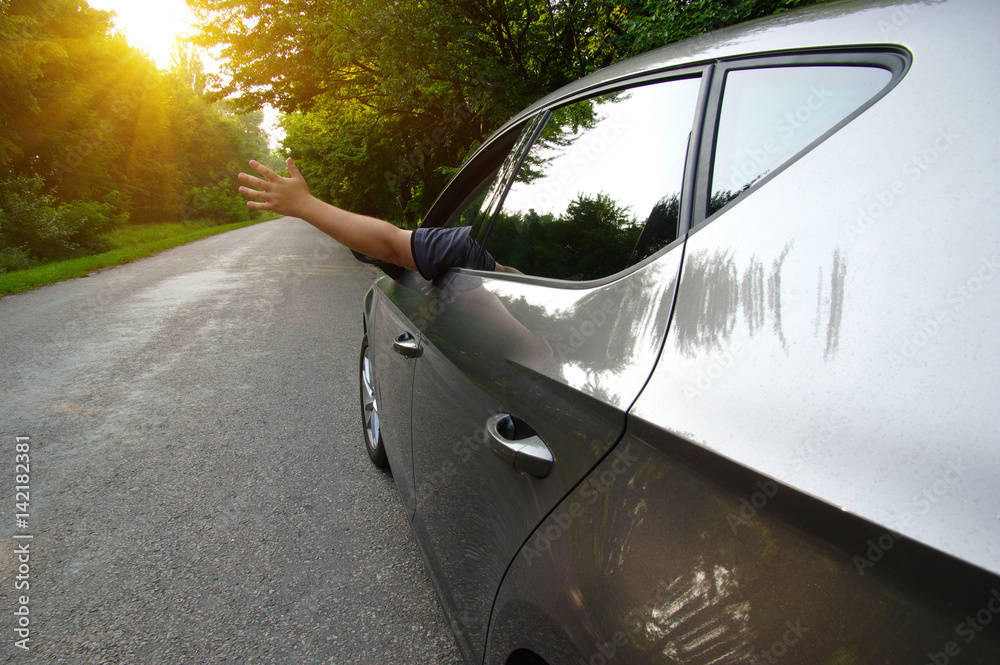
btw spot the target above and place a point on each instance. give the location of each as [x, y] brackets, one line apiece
[150, 26]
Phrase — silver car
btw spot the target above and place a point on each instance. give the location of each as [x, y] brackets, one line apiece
[738, 407]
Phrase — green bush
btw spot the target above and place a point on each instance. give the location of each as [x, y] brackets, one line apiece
[221, 203]
[15, 258]
[86, 223]
[36, 227]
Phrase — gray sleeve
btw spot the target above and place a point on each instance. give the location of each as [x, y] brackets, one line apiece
[436, 250]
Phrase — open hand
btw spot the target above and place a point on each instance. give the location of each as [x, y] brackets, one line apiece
[286, 196]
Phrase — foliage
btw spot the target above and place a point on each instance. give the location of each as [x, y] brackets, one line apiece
[93, 135]
[129, 244]
[386, 98]
[34, 225]
[15, 258]
[220, 202]
[654, 23]
[595, 234]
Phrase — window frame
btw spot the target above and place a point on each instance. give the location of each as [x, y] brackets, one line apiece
[702, 71]
[462, 189]
[894, 59]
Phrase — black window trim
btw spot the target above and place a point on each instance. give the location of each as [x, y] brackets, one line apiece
[486, 160]
[540, 119]
[892, 58]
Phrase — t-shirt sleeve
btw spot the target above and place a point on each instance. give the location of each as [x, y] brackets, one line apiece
[436, 250]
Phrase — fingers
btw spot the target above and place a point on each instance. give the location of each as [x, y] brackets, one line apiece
[254, 193]
[261, 204]
[251, 180]
[263, 170]
[258, 194]
[276, 192]
[256, 182]
[293, 170]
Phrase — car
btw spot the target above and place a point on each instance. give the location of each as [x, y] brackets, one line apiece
[737, 402]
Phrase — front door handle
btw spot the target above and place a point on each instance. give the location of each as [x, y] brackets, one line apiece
[407, 346]
[513, 441]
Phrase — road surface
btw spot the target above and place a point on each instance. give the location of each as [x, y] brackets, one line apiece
[199, 490]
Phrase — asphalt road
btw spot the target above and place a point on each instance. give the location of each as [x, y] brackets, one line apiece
[199, 490]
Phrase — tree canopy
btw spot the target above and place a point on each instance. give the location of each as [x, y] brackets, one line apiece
[94, 135]
[382, 101]
[386, 97]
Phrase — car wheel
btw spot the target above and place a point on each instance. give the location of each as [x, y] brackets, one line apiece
[369, 409]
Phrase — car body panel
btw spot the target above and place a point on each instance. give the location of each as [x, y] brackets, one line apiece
[847, 357]
[394, 383]
[666, 555]
[562, 360]
[799, 456]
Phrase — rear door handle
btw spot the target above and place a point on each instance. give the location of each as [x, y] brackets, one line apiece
[513, 441]
[407, 346]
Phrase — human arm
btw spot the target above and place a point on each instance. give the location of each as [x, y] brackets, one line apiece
[290, 196]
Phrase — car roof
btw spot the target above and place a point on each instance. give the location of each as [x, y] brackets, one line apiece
[835, 25]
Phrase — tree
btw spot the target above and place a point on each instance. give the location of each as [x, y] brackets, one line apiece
[93, 133]
[394, 94]
[387, 98]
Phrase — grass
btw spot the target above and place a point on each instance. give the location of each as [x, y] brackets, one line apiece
[128, 244]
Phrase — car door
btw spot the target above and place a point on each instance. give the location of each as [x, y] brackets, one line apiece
[524, 380]
[393, 349]
[403, 302]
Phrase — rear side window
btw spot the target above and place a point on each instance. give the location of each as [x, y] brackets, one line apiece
[770, 114]
[600, 189]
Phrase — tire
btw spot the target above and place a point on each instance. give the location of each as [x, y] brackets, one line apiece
[369, 409]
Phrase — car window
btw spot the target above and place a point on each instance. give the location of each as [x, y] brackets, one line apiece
[600, 189]
[770, 114]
